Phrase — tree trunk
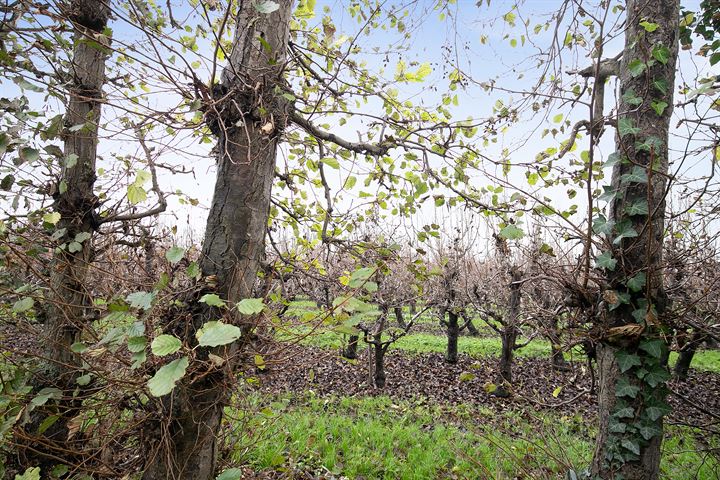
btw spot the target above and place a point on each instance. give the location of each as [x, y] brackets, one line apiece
[631, 353]
[509, 335]
[685, 356]
[379, 377]
[556, 352]
[248, 117]
[453, 330]
[350, 351]
[76, 203]
[469, 324]
[399, 317]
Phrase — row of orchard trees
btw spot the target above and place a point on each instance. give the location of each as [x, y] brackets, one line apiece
[248, 76]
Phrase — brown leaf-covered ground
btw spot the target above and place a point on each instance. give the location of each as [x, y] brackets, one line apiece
[428, 376]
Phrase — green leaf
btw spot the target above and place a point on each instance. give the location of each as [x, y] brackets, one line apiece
[627, 360]
[639, 207]
[661, 85]
[141, 300]
[558, 118]
[602, 226]
[661, 53]
[623, 230]
[654, 412]
[32, 473]
[250, 306]
[46, 394]
[467, 376]
[78, 347]
[331, 162]
[136, 194]
[51, 218]
[637, 282]
[656, 376]
[83, 380]
[165, 379]
[649, 26]
[626, 389]
[214, 334]
[626, 127]
[82, 236]
[193, 270]
[7, 182]
[655, 348]
[512, 232]
[74, 247]
[606, 261]
[137, 344]
[266, 6]
[649, 430]
[231, 474]
[631, 445]
[626, 412]
[259, 362]
[29, 154]
[637, 175]
[631, 98]
[659, 106]
[360, 276]
[23, 305]
[165, 345]
[71, 160]
[636, 67]
[174, 254]
[212, 300]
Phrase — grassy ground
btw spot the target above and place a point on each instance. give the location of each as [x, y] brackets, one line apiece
[706, 360]
[378, 438]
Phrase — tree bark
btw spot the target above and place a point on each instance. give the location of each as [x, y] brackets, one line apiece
[76, 203]
[379, 377]
[399, 317]
[686, 355]
[509, 335]
[453, 331]
[248, 117]
[350, 351]
[627, 328]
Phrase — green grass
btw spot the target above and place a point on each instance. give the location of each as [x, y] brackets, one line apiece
[378, 438]
[478, 347]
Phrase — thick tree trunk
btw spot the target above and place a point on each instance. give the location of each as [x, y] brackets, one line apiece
[248, 118]
[686, 355]
[453, 331]
[76, 203]
[630, 398]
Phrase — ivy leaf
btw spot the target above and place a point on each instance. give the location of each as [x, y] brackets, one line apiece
[661, 85]
[636, 175]
[165, 345]
[193, 270]
[637, 282]
[626, 412]
[649, 26]
[654, 348]
[602, 226]
[46, 394]
[214, 334]
[212, 300]
[631, 98]
[654, 412]
[649, 430]
[624, 229]
[631, 445]
[626, 389]
[512, 232]
[606, 261]
[639, 207]
[250, 306]
[141, 300]
[659, 106]
[32, 473]
[661, 53]
[626, 127]
[656, 376]
[636, 67]
[627, 360]
[174, 254]
[165, 379]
